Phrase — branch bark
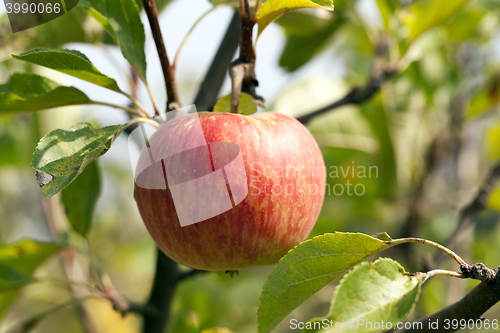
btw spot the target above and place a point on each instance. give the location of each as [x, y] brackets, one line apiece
[173, 101]
[211, 85]
[160, 299]
[467, 214]
[472, 306]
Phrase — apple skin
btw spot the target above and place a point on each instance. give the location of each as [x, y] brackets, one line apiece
[268, 222]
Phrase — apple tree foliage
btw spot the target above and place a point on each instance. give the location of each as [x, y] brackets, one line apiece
[430, 46]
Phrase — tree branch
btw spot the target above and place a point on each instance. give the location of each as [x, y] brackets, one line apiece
[242, 70]
[168, 72]
[211, 85]
[157, 317]
[189, 274]
[472, 306]
[357, 95]
[467, 214]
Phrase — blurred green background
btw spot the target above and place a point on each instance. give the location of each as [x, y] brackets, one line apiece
[432, 133]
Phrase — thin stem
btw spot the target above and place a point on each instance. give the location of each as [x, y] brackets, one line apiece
[87, 285]
[155, 106]
[129, 110]
[446, 250]
[176, 59]
[137, 104]
[144, 120]
[435, 272]
[256, 11]
[243, 13]
[26, 326]
[168, 73]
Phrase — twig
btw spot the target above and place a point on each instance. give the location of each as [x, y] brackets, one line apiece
[444, 272]
[437, 151]
[143, 120]
[189, 274]
[358, 95]
[167, 272]
[242, 70]
[129, 110]
[177, 55]
[168, 72]
[72, 268]
[467, 214]
[472, 306]
[28, 325]
[212, 83]
[256, 11]
[449, 252]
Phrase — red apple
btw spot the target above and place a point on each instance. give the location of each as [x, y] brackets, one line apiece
[276, 187]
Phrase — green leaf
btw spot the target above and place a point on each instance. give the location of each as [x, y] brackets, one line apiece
[61, 155]
[72, 27]
[374, 112]
[80, 198]
[487, 97]
[425, 14]
[102, 20]
[123, 22]
[304, 22]
[424, 44]
[494, 199]
[273, 9]
[30, 92]
[371, 293]
[11, 278]
[18, 263]
[309, 267]
[217, 330]
[466, 25]
[160, 4]
[69, 62]
[300, 48]
[16, 138]
[246, 105]
[383, 236]
[492, 140]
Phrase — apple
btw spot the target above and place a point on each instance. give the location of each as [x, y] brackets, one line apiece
[253, 187]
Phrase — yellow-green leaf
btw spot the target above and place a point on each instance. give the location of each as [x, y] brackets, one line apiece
[246, 106]
[494, 200]
[425, 14]
[18, 262]
[273, 9]
[217, 330]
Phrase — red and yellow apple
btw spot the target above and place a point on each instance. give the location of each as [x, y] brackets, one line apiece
[275, 197]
